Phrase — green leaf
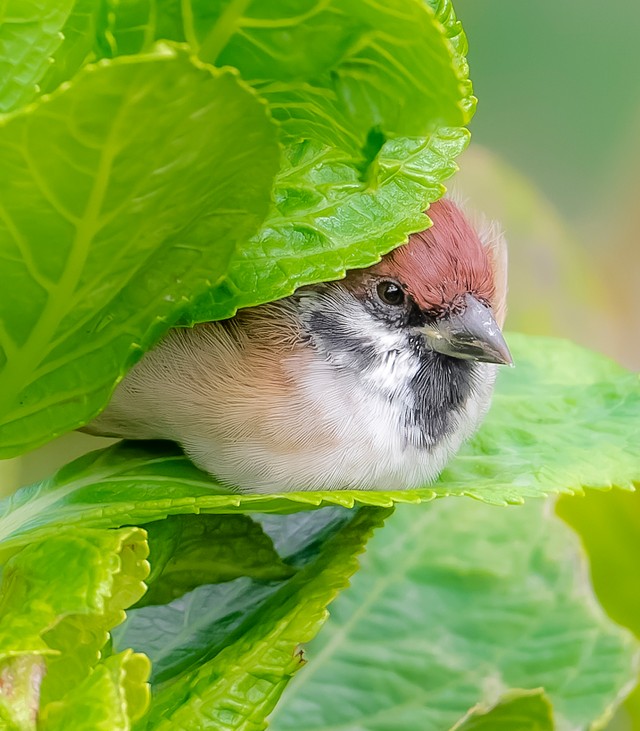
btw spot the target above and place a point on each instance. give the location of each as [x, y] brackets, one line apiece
[519, 710]
[111, 698]
[563, 419]
[91, 565]
[609, 527]
[78, 637]
[245, 671]
[342, 206]
[456, 603]
[58, 600]
[331, 71]
[326, 220]
[369, 97]
[193, 629]
[30, 34]
[186, 551]
[386, 67]
[113, 190]
[77, 47]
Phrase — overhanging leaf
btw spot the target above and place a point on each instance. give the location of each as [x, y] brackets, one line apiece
[456, 603]
[370, 98]
[332, 71]
[123, 195]
[563, 419]
[326, 220]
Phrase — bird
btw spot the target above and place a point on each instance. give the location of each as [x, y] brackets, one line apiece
[370, 382]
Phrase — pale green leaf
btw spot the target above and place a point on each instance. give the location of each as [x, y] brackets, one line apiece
[609, 527]
[456, 603]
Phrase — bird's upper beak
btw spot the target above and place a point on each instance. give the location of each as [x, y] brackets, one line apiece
[472, 335]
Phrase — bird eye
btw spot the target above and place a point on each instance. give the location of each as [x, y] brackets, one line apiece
[390, 293]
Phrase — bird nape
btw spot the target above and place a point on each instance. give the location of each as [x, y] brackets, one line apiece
[370, 382]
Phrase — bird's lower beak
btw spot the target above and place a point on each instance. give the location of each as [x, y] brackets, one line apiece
[471, 335]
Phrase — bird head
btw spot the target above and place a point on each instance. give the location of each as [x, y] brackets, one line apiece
[423, 325]
[444, 289]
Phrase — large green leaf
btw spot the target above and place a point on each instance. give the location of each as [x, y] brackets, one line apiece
[369, 96]
[457, 602]
[123, 196]
[58, 600]
[243, 672]
[563, 419]
[343, 205]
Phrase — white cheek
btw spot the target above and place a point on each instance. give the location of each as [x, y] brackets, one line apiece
[393, 369]
[396, 363]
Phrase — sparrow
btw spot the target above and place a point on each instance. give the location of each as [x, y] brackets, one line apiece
[370, 382]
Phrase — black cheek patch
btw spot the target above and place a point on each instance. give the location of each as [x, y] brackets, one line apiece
[440, 389]
[337, 336]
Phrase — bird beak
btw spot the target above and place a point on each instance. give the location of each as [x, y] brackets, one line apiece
[471, 335]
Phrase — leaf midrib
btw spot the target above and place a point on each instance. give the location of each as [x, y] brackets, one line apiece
[19, 370]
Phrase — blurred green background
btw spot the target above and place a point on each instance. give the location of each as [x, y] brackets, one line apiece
[554, 158]
[558, 120]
